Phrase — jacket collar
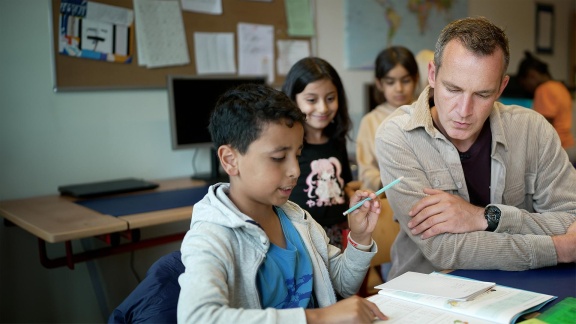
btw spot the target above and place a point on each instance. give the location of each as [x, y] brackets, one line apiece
[216, 207]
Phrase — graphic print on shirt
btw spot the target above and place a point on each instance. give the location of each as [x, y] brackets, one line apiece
[293, 297]
[325, 184]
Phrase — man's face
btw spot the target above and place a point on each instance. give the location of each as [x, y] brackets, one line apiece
[465, 89]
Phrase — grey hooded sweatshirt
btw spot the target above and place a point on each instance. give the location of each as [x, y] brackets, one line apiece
[223, 250]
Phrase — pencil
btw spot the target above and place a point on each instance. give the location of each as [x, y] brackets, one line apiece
[360, 203]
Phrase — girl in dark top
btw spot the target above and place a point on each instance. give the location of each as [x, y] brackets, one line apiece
[316, 88]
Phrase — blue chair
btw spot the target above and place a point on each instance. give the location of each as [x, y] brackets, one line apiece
[155, 299]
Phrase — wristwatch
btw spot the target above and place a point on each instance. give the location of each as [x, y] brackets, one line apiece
[492, 215]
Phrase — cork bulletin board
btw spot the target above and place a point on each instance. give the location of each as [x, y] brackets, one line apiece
[78, 74]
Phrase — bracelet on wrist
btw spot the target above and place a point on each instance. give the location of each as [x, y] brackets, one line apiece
[359, 246]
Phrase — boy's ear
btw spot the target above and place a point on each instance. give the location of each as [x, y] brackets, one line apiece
[228, 159]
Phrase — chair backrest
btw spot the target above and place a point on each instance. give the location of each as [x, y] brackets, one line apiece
[155, 299]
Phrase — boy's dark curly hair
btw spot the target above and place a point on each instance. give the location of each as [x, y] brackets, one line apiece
[241, 114]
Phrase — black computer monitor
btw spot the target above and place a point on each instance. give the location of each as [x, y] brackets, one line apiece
[191, 101]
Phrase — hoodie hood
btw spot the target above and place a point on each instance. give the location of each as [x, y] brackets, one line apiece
[216, 207]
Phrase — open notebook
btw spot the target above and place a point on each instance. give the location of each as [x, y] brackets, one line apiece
[95, 189]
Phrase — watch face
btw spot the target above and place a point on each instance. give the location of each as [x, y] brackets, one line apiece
[492, 214]
[492, 218]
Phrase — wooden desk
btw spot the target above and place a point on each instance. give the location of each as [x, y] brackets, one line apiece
[56, 219]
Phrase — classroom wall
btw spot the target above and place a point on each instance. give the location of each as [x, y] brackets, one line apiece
[48, 139]
[330, 24]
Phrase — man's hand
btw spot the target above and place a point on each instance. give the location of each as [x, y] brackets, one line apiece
[441, 212]
[349, 310]
[363, 220]
[566, 245]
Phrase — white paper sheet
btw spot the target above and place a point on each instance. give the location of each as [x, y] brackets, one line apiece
[109, 14]
[139, 9]
[256, 50]
[214, 53]
[404, 312]
[290, 52]
[160, 33]
[435, 285]
[97, 36]
[500, 304]
[213, 7]
[121, 40]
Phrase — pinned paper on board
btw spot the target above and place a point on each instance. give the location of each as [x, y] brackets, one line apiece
[161, 38]
[299, 16]
[290, 52]
[214, 53]
[256, 50]
[212, 7]
[95, 31]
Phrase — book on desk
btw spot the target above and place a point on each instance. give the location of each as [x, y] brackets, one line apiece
[498, 304]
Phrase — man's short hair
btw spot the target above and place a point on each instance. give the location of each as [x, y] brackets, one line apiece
[242, 113]
[478, 35]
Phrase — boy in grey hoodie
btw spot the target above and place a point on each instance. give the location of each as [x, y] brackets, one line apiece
[252, 256]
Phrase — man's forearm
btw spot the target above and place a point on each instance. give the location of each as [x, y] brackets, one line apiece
[565, 247]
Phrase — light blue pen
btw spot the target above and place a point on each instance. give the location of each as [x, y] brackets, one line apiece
[360, 203]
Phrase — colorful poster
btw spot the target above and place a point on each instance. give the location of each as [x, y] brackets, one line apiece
[95, 31]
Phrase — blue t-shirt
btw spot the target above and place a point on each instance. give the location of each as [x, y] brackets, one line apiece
[284, 279]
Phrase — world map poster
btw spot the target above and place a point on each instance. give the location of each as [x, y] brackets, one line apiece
[372, 25]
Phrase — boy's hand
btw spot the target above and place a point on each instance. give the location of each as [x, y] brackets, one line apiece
[350, 310]
[363, 220]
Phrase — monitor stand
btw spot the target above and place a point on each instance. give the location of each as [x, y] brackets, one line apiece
[214, 176]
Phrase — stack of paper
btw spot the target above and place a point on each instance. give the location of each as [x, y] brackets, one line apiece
[442, 298]
[441, 286]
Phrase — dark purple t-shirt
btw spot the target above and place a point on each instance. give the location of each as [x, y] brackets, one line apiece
[476, 166]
